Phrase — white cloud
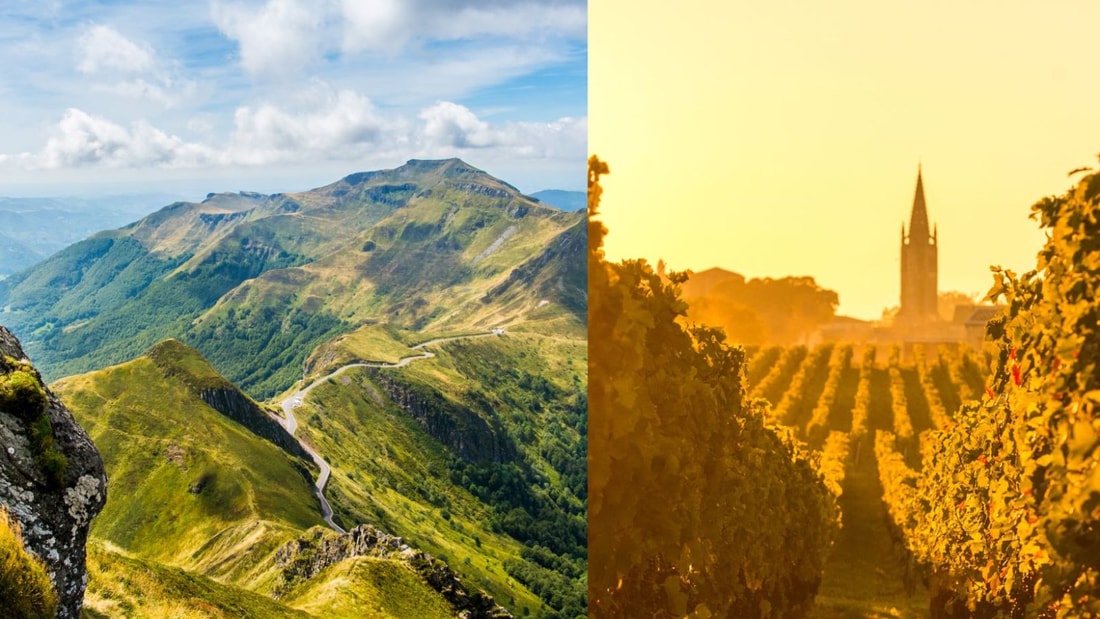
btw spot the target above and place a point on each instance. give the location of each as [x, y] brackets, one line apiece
[337, 125]
[138, 89]
[378, 25]
[202, 124]
[518, 20]
[121, 67]
[563, 138]
[448, 125]
[102, 48]
[80, 139]
[324, 126]
[279, 38]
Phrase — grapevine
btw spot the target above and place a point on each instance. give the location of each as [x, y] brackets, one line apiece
[817, 427]
[791, 405]
[940, 418]
[863, 395]
[695, 505]
[770, 386]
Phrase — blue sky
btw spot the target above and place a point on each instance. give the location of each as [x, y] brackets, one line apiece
[283, 95]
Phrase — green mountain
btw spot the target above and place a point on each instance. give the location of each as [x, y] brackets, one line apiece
[206, 518]
[475, 455]
[256, 282]
[181, 470]
[436, 319]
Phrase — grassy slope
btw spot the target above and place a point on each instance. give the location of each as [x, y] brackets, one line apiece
[367, 343]
[122, 585]
[161, 550]
[189, 487]
[430, 267]
[386, 471]
[368, 588]
[394, 475]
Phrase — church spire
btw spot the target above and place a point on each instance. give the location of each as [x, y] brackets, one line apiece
[918, 220]
[919, 276]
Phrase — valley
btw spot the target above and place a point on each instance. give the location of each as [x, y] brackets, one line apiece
[290, 422]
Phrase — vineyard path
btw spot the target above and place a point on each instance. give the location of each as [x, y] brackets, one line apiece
[865, 575]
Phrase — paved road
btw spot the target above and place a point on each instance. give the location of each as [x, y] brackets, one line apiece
[290, 422]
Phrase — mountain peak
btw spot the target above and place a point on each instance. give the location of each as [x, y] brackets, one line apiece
[179, 361]
[175, 358]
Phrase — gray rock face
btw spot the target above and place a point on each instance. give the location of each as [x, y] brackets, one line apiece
[470, 436]
[319, 548]
[54, 514]
[235, 405]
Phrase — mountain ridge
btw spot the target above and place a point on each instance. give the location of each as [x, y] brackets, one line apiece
[415, 246]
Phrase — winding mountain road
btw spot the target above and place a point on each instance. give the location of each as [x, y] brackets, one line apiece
[290, 423]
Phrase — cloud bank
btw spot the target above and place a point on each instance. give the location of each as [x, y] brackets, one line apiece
[342, 126]
[153, 90]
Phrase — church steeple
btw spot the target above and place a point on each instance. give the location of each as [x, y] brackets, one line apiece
[918, 263]
[918, 219]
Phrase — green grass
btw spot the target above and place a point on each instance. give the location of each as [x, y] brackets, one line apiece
[188, 486]
[396, 477]
[258, 284]
[382, 343]
[369, 588]
[25, 587]
[399, 478]
[198, 506]
[122, 585]
[180, 361]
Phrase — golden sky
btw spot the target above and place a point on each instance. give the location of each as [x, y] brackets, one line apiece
[783, 138]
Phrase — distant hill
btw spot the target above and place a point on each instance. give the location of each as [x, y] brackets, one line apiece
[785, 310]
[255, 282]
[32, 229]
[565, 200]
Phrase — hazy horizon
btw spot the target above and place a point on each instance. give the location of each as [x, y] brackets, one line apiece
[784, 139]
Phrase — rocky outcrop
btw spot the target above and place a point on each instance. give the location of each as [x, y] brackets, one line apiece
[307, 556]
[51, 476]
[240, 408]
[469, 435]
